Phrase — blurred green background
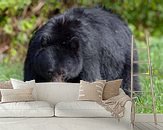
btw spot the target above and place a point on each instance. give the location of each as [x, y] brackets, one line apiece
[20, 18]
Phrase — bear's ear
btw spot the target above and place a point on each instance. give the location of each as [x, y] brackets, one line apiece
[76, 23]
[69, 22]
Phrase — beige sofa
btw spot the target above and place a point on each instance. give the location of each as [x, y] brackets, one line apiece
[59, 95]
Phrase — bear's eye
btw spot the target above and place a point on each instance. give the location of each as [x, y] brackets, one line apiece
[43, 44]
[74, 43]
[44, 41]
[69, 62]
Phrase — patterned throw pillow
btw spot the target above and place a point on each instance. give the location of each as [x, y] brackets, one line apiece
[5, 85]
[111, 89]
[16, 95]
[91, 91]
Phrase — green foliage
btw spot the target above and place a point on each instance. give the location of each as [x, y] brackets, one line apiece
[19, 18]
[141, 14]
[13, 5]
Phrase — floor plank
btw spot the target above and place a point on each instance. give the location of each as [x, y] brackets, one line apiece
[156, 126]
[136, 128]
[151, 126]
[148, 126]
[141, 126]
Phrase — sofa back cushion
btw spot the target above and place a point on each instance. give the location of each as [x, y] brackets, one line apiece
[57, 92]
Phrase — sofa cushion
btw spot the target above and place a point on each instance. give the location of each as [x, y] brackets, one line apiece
[80, 109]
[111, 89]
[26, 109]
[16, 95]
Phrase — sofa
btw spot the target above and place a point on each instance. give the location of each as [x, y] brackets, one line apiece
[65, 113]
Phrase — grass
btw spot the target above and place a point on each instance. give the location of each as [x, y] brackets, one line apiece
[145, 99]
[8, 71]
[15, 71]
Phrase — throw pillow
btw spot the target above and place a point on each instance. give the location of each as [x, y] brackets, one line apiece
[16, 95]
[91, 91]
[111, 89]
[18, 84]
[5, 85]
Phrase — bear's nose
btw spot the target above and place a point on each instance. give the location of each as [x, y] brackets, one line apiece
[50, 72]
[59, 76]
[61, 72]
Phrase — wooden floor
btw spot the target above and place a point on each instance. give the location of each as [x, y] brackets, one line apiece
[146, 122]
[148, 126]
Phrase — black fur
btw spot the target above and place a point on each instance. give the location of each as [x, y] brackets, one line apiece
[82, 43]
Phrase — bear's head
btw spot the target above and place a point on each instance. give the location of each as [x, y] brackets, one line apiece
[56, 50]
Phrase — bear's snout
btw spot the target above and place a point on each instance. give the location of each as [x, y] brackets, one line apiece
[58, 78]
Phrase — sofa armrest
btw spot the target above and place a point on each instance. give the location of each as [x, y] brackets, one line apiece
[127, 112]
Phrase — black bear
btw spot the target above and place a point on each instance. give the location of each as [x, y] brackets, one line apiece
[87, 44]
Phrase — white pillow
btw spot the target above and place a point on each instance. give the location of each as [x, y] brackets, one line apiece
[26, 109]
[18, 84]
[80, 109]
